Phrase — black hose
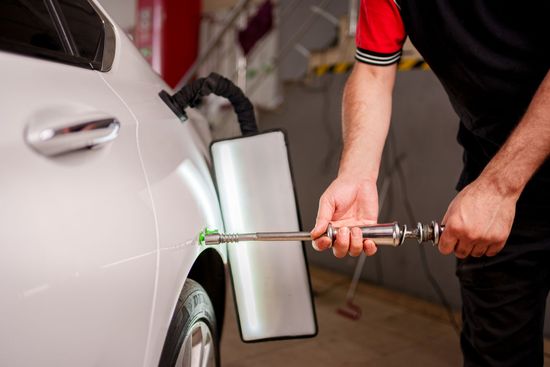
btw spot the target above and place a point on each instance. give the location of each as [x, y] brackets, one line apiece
[191, 95]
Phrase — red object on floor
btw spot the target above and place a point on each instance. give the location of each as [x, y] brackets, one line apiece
[350, 310]
[167, 34]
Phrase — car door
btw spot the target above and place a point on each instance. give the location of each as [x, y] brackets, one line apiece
[175, 159]
[77, 226]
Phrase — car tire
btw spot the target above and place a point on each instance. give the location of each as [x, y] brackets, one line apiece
[192, 334]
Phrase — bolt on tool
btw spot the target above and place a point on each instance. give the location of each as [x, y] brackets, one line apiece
[389, 234]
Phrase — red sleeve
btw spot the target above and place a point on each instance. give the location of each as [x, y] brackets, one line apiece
[380, 32]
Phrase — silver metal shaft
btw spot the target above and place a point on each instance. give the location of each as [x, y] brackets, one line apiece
[217, 238]
[389, 234]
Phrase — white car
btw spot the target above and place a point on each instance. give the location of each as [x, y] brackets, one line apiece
[103, 193]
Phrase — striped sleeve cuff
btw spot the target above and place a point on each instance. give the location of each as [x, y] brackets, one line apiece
[375, 58]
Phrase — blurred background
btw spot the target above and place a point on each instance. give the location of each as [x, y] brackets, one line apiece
[289, 94]
[292, 58]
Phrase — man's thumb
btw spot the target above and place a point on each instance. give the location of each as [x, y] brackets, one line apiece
[320, 228]
[324, 216]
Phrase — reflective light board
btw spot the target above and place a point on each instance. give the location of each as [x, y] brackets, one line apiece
[270, 279]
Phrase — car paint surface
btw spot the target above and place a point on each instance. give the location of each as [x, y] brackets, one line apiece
[96, 244]
[176, 161]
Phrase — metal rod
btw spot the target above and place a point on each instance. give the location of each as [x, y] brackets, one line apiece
[288, 46]
[350, 295]
[284, 236]
[217, 238]
[352, 17]
[325, 14]
[356, 275]
[231, 18]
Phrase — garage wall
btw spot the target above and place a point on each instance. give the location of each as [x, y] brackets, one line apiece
[424, 127]
[122, 11]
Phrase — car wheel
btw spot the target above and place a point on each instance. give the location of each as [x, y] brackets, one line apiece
[192, 340]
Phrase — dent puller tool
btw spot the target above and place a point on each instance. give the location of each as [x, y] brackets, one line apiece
[389, 234]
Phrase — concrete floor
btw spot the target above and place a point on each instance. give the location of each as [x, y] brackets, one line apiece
[394, 330]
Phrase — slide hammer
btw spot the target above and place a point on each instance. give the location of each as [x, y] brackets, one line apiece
[388, 234]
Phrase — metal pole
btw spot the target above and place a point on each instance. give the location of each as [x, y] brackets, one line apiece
[361, 261]
[352, 17]
[230, 20]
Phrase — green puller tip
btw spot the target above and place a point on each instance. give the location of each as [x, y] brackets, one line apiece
[202, 235]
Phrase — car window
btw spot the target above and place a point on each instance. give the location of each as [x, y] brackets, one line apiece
[86, 28]
[27, 24]
[69, 31]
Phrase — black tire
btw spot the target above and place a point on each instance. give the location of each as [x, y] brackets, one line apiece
[193, 307]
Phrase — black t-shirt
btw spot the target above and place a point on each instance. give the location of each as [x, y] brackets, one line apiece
[490, 57]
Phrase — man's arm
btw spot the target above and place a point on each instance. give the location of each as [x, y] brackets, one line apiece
[352, 199]
[480, 218]
[366, 111]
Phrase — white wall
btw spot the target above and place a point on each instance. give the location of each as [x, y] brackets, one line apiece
[122, 11]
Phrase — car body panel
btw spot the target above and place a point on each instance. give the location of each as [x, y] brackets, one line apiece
[175, 160]
[75, 228]
[97, 244]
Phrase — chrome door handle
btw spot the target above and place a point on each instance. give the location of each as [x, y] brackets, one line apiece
[59, 138]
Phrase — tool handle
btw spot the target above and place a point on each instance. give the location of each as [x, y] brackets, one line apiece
[388, 234]
[392, 234]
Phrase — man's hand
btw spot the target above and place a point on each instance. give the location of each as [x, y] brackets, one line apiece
[352, 199]
[347, 203]
[478, 221]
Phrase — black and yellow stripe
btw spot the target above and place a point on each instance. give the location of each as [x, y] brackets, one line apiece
[343, 67]
[406, 64]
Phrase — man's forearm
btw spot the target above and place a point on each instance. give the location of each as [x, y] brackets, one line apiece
[365, 119]
[526, 148]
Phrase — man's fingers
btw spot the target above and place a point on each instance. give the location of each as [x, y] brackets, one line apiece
[448, 241]
[324, 216]
[322, 243]
[356, 243]
[320, 228]
[463, 249]
[479, 250]
[494, 249]
[369, 247]
[340, 247]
